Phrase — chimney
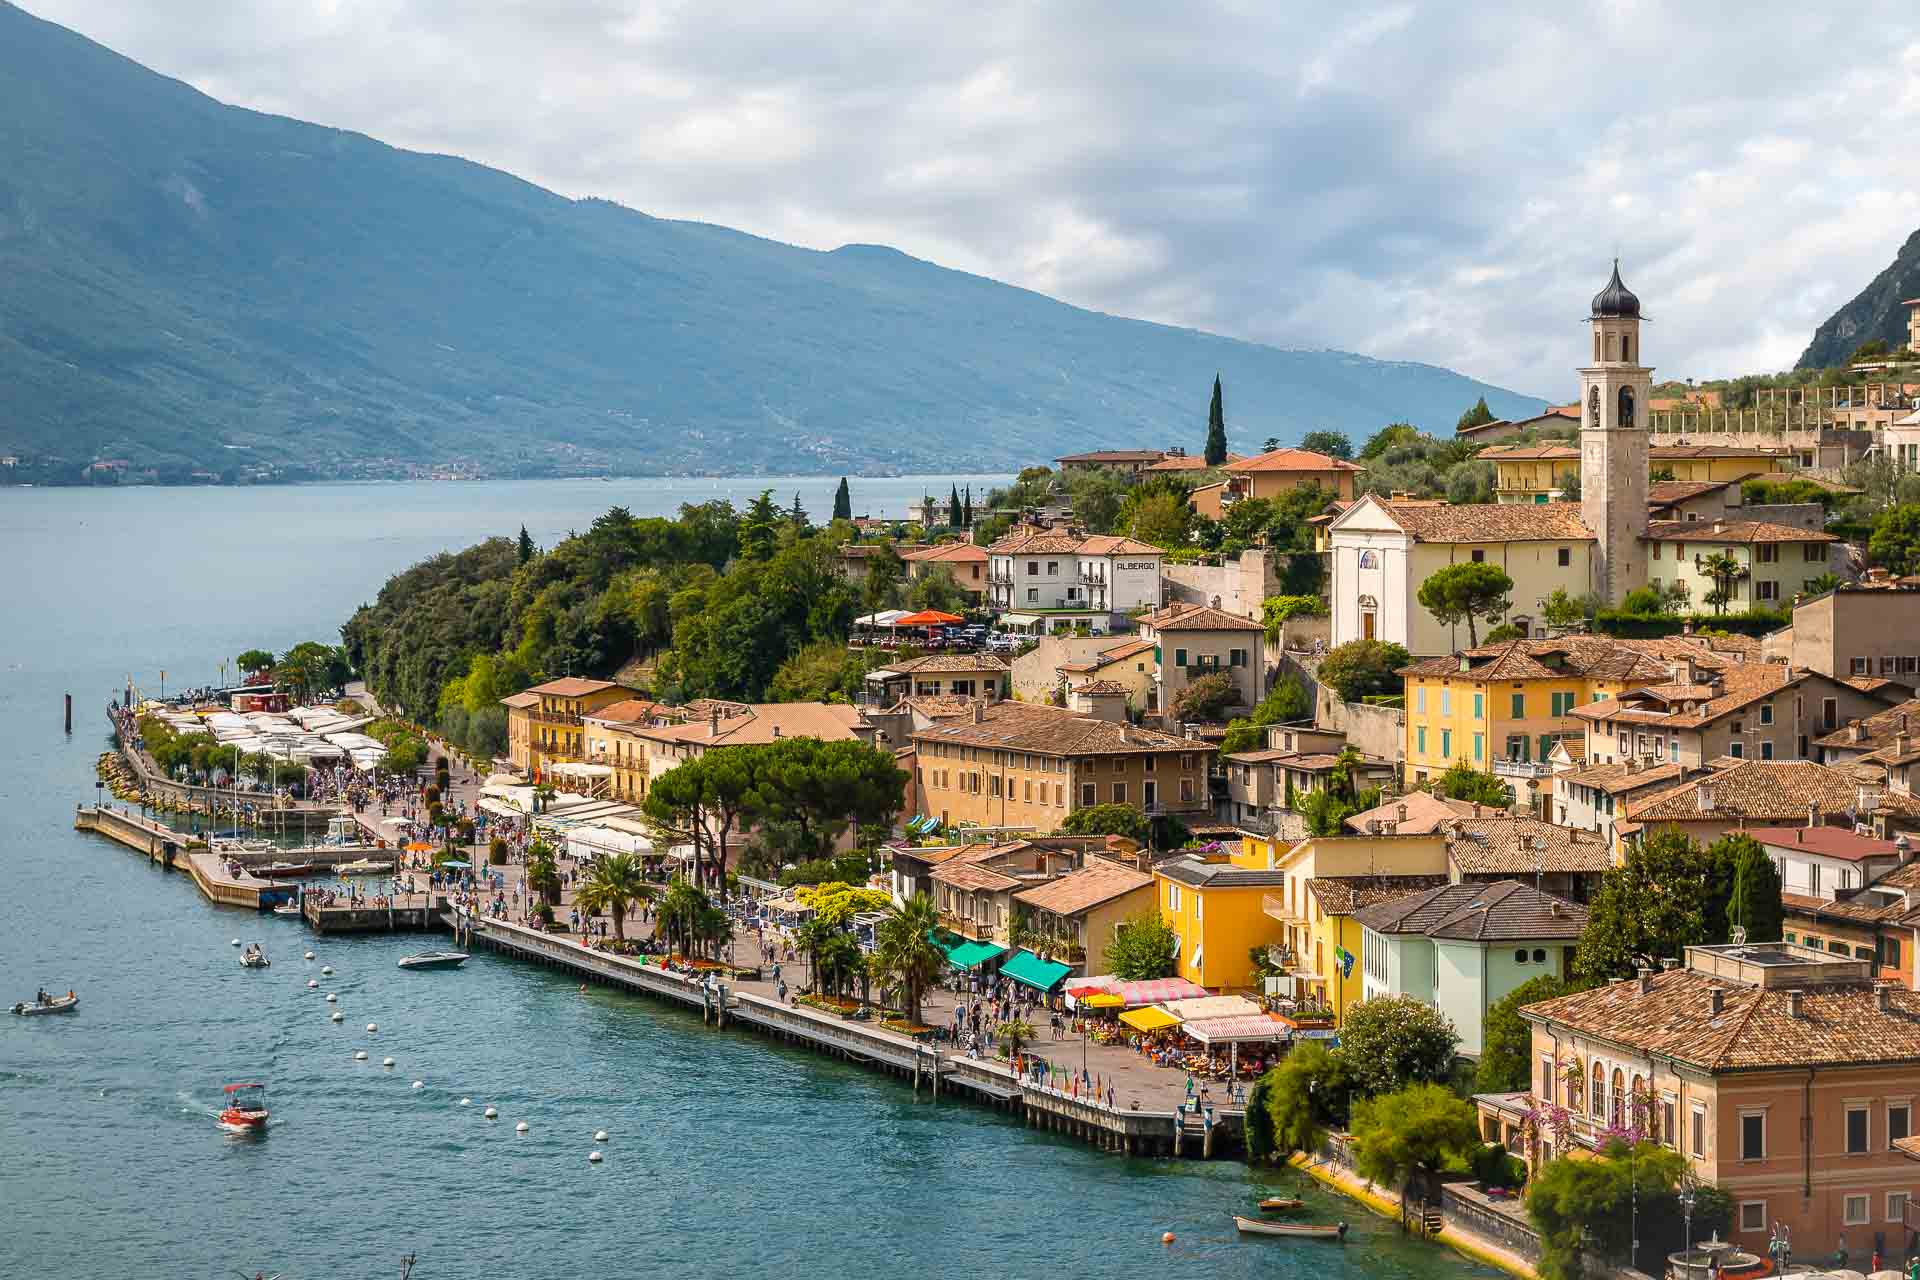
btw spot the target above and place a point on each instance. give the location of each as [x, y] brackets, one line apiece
[1856, 732]
[1703, 797]
[1126, 737]
[713, 722]
[1900, 743]
[978, 717]
[1813, 814]
[1717, 1001]
[1719, 526]
[1793, 1005]
[1646, 974]
[1400, 812]
[1883, 999]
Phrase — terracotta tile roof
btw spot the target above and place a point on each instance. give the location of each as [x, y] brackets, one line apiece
[1038, 542]
[1504, 846]
[1877, 730]
[948, 553]
[1775, 791]
[1097, 882]
[627, 711]
[1616, 780]
[1291, 460]
[1854, 911]
[1528, 453]
[1872, 684]
[1426, 812]
[701, 708]
[1121, 652]
[1747, 531]
[1677, 451]
[765, 722]
[1666, 492]
[527, 699]
[1198, 617]
[1100, 687]
[1598, 657]
[1740, 686]
[1491, 521]
[1904, 876]
[934, 706]
[1828, 842]
[1344, 895]
[572, 687]
[937, 662]
[1188, 462]
[1840, 1024]
[1504, 911]
[1189, 870]
[970, 875]
[1102, 544]
[1020, 726]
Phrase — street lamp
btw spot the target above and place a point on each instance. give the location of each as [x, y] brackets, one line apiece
[1687, 1194]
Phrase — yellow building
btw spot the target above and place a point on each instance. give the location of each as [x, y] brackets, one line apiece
[555, 726]
[1215, 907]
[1500, 708]
[1323, 881]
[612, 743]
[1776, 562]
[1540, 472]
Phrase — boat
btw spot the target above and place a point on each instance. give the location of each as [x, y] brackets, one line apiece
[363, 867]
[1273, 1203]
[434, 960]
[61, 1004]
[289, 908]
[289, 870]
[246, 1109]
[253, 957]
[1299, 1230]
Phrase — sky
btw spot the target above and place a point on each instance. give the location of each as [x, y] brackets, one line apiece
[1444, 183]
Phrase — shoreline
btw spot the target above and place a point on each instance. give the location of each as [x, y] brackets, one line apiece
[1469, 1245]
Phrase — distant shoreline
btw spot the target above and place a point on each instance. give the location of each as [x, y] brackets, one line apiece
[942, 477]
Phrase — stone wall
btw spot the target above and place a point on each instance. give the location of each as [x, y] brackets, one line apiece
[1239, 586]
[1370, 730]
[1463, 1208]
[1810, 516]
[1036, 673]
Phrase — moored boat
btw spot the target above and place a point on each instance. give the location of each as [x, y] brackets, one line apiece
[363, 867]
[246, 1109]
[1298, 1230]
[289, 908]
[434, 960]
[1273, 1203]
[288, 870]
[52, 1004]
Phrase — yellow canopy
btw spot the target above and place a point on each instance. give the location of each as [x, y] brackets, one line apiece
[1149, 1018]
[1104, 1000]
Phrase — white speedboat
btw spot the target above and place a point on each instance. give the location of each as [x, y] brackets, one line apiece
[253, 957]
[363, 867]
[287, 909]
[434, 960]
[62, 1004]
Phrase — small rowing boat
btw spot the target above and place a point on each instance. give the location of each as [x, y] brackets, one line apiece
[434, 960]
[253, 957]
[31, 1008]
[1298, 1230]
[1274, 1203]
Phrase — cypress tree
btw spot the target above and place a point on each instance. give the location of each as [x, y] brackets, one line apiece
[1216, 429]
[798, 513]
[953, 508]
[842, 502]
[526, 545]
[966, 507]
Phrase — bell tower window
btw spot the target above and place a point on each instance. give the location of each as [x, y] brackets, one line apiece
[1626, 349]
[1593, 409]
[1626, 407]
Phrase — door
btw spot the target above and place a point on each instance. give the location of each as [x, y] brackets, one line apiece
[1366, 625]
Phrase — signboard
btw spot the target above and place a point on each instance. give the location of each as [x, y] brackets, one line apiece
[1137, 564]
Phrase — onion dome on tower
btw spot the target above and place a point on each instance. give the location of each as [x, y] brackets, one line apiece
[1616, 299]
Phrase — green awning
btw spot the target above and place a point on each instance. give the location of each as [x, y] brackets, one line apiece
[971, 955]
[1028, 968]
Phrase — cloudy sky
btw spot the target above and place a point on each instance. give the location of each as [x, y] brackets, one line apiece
[1433, 182]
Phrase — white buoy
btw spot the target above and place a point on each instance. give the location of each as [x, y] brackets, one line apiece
[490, 1113]
[332, 998]
[234, 943]
[309, 955]
[339, 1016]
[373, 1026]
[599, 1135]
[593, 1157]
[466, 1102]
[312, 983]
[361, 1056]
[326, 971]
[419, 1084]
[386, 1062]
[521, 1127]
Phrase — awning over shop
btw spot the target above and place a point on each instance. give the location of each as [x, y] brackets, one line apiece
[971, 955]
[1149, 1019]
[1159, 990]
[1030, 970]
[1203, 1007]
[1243, 1029]
[1103, 1000]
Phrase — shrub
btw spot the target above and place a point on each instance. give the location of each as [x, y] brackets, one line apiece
[1362, 667]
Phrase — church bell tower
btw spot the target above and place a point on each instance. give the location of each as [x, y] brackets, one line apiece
[1615, 392]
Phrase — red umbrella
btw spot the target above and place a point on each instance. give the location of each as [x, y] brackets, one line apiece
[927, 618]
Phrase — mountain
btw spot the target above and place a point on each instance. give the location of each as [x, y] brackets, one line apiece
[193, 285]
[1875, 313]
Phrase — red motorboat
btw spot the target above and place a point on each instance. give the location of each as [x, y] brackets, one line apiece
[246, 1110]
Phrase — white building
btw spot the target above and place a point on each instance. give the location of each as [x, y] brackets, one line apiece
[1822, 861]
[1046, 580]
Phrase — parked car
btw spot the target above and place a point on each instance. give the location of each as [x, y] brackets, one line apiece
[1002, 642]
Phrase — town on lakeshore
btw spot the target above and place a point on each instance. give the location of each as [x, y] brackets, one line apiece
[1534, 864]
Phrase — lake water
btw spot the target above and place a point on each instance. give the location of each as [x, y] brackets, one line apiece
[730, 1155]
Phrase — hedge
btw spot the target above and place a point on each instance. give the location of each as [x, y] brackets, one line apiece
[1754, 622]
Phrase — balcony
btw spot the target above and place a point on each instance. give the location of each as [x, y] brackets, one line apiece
[554, 717]
[1522, 769]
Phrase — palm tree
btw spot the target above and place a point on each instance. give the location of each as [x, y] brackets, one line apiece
[813, 937]
[839, 958]
[613, 885]
[1015, 1033]
[543, 874]
[679, 915]
[904, 950]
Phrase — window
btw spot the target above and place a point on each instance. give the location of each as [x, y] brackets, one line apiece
[1087, 796]
[1420, 739]
[1813, 878]
[1566, 557]
[1890, 954]
[1737, 750]
[1668, 1134]
[1179, 657]
[1053, 568]
[1699, 1143]
[1854, 1211]
[1814, 552]
[1479, 556]
[1766, 589]
[1766, 749]
[1149, 794]
[1173, 896]
[1563, 703]
[1753, 1215]
[1899, 1121]
[1147, 761]
[1479, 705]
[1119, 793]
[1519, 706]
[1860, 666]
[1897, 1206]
[1753, 1135]
[1597, 1101]
[1033, 568]
[1446, 743]
[1545, 1091]
[1420, 699]
[1479, 746]
[1236, 657]
[1539, 955]
[1767, 553]
[1856, 1131]
[1446, 702]
[1519, 955]
[1033, 595]
[1766, 713]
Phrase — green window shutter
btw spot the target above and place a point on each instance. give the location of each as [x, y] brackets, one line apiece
[1446, 743]
[1519, 706]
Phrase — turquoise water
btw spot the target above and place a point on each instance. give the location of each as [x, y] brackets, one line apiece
[729, 1155]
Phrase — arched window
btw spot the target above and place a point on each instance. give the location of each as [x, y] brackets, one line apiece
[1593, 408]
[1609, 346]
[1519, 955]
[1626, 407]
[1597, 1104]
[1539, 955]
[1576, 1088]
[1618, 1099]
[1641, 1115]
[1369, 560]
[1596, 346]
